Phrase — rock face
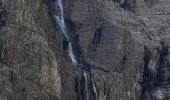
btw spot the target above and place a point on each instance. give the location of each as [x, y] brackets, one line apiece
[29, 68]
[125, 42]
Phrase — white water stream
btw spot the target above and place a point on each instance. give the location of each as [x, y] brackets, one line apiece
[86, 86]
[59, 17]
[94, 87]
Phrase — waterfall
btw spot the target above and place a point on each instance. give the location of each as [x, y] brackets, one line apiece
[58, 16]
[60, 20]
[94, 87]
[62, 26]
[86, 85]
[71, 55]
[89, 86]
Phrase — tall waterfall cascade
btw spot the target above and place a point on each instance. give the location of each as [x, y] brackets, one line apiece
[64, 32]
[58, 16]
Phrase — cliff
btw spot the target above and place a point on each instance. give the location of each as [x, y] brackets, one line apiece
[124, 43]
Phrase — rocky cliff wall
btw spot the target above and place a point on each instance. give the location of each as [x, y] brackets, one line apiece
[126, 41]
[29, 68]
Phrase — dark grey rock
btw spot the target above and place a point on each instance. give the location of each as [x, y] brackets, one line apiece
[125, 43]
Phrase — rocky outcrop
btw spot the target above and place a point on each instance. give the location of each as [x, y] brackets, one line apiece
[124, 39]
[29, 68]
